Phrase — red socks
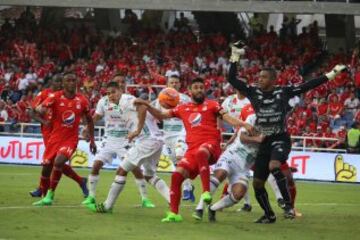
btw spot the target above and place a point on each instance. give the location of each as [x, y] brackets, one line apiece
[175, 191]
[202, 157]
[55, 178]
[44, 184]
[292, 190]
[225, 190]
[69, 172]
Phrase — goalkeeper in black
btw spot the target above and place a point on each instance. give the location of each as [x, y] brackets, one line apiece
[271, 107]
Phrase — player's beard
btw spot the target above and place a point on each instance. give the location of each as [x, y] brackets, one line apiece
[199, 99]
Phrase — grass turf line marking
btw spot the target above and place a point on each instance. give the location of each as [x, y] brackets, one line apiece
[138, 206]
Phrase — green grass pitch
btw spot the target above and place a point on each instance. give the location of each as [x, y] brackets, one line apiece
[330, 211]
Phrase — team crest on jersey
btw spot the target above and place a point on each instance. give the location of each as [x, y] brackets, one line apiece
[195, 119]
[68, 117]
[204, 108]
[62, 104]
[78, 106]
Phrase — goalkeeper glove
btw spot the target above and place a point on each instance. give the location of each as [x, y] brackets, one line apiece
[335, 71]
[237, 50]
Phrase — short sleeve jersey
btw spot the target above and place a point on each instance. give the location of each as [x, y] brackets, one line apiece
[115, 127]
[40, 98]
[67, 114]
[173, 126]
[200, 122]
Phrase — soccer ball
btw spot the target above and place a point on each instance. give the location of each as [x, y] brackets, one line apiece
[169, 98]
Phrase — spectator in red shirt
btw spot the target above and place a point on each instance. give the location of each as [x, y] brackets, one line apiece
[329, 134]
[307, 133]
[319, 134]
[322, 109]
[335, 108]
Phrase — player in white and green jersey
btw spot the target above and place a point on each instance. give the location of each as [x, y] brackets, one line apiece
[234, 164]
[144, 153]
[174, 136]
[115, 142]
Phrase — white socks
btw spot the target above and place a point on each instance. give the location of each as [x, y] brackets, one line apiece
[187, 185]
[214, 184]
[116, 187]
[141, 184]
[247, 198]
[274, 186]
[161, 187]
[225, 202]
[93, 181]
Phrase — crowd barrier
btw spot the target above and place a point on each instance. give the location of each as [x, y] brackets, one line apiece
[321, 166]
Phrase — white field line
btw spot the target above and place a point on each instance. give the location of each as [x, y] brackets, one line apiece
[184, 205]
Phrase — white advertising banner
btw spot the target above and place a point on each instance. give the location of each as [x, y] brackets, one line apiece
[21, 150]
[325, 166]
[310, 165]
[30, 151]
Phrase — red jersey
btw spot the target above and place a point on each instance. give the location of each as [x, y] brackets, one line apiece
[66, 116]
[39, 99]
[200, 121]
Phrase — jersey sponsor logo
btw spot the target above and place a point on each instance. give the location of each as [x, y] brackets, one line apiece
[68, 117]
[268, 101]
[195, 119]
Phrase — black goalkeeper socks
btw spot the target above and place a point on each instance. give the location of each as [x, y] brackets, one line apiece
[263, 199]
[282, 185]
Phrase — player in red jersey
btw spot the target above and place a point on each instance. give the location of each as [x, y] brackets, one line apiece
[67, 108]
[203, 137]
[46, 128]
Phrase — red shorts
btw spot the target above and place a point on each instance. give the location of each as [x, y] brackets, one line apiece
[190, 163]
[52, 150]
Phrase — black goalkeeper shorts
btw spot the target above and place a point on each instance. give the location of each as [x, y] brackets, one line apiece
[275, 147]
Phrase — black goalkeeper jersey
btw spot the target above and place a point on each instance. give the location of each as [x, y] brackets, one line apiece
[271, 107]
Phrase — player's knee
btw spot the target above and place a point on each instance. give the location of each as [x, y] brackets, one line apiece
[274, 164]
[238, 195]
[182, 171]
[220, 175]
[203, 153]
[235, 197]
[138, 173]
[46, 168]
[96, 167]
[239, 189]
[178, 158]
[277, 173]
[121, 172]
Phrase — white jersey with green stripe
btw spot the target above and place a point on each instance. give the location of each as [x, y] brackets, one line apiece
[150, 129]
[173, 127]
[115, 123]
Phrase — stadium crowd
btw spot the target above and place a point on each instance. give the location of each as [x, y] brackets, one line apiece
[30, 54]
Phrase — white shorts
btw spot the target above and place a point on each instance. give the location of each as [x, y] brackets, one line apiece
[175, 147]
[111, 149]
[145, 153]
[235, 164]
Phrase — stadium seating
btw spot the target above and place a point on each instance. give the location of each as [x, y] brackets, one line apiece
[30, 55]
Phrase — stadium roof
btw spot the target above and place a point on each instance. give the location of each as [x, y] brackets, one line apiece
[203, 5]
